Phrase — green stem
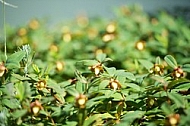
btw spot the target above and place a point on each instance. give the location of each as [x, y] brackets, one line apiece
[4, 27]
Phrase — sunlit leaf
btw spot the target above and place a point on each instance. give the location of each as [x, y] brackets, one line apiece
[170, 61]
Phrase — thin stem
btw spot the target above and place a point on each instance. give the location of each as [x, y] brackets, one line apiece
[4, 27]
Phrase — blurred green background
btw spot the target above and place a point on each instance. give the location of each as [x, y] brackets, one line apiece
[59, 10]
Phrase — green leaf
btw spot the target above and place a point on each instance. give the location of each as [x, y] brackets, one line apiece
[147, 64]
[88, 62]
[158, 60]
[35, 68]
[72, 91]
[13, 60]
[170, 61]
[128, 75]
[111, 71]
[166, 108]
[101, 57]
[186, 68]
[130, 117]
[11, 103]
[20, 91]
[19, 113]
[103, 84]
[177, 98]
[19, 77]
[93, 118]
[134, 86]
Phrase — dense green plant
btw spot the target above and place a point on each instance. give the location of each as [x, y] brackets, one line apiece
[132, 70]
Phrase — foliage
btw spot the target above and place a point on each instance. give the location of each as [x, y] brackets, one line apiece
[133, 70]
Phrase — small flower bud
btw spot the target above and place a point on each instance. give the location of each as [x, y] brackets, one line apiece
[2, 69]
[114, 84]
[157, 69]
[140, 45]
[59, 66]
[177, 73]
[97, 69]
[35, 107]
[41, 84]
[173, 120]
[111, 28]
[81, 101]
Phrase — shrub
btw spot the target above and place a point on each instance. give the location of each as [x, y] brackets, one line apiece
[132, 70]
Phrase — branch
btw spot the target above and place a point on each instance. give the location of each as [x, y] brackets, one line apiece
[8, 4]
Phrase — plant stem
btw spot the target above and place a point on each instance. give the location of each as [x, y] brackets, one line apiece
[4, 27]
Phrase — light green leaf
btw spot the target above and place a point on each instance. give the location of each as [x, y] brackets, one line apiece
[19, 113]
[166, 108]
[20, 91]
[103, 84]
[147, 64]
[14, 60]
[101, 57]
[134, 86]
[170, 61]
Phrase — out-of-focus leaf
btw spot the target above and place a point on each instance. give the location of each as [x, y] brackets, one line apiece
[20, 91]
[186, 67]
[11, 103]
[88, 62]
[13, 60]
[147, 64]
[134, 86]
[103, 84]
[101, 57]
[170, 61]
[130, 117]
[177, 98]
[95, 117]
[19, 113]
[166, 108]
